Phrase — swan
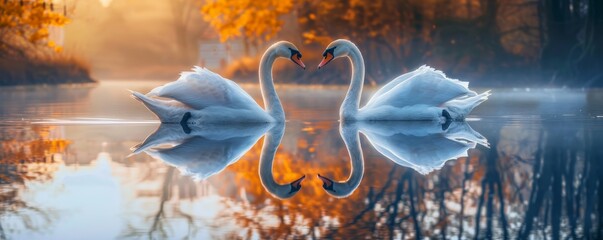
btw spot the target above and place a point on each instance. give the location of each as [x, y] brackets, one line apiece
[205, 150]
[271, 142]
[421, 145]
[351, 139]
[423, 94]
[424, 146]
[203, 96]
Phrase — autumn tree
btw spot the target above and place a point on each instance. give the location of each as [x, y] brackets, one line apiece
[390, 33]
[572, 39]
[478, 38]
[24, 27]
[27, 55]
[254, 21]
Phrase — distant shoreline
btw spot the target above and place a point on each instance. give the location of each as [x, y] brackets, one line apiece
[24, 87]
[38, 84]
[22, 72]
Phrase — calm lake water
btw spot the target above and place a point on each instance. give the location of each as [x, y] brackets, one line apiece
[525, 164]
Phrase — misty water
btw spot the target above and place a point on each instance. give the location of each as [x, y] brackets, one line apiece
[526, 163]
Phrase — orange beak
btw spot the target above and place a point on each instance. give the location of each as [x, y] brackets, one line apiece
[297, 60]
[325, 60]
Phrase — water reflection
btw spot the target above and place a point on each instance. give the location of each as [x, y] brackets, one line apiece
[540, 177]
[202, 150]
[271, 143]
[424, 146]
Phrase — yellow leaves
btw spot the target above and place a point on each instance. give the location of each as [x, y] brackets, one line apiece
[29, 21]
[54, 46]
[40, 149]
[248, 18]
[39, 35]
[313, 36]
[358, 19]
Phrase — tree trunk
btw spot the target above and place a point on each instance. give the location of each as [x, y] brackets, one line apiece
[560, 36]
[592, 61]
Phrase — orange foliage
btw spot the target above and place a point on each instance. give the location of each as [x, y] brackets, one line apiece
[39, 149]
[312, 204]
[28, 22]
[248, 18]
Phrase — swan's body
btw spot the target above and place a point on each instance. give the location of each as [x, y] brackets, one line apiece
[210, 98]
[423, 94]
[421, 145]
[206, 150]
[209, 148]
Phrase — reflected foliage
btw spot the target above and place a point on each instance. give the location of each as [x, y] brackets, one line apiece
[26, 155]
[538, 179]
[521, 187]
[29, 153]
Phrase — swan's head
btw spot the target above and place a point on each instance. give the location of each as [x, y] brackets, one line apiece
[336, 49]
[337, 189]
[286, 49]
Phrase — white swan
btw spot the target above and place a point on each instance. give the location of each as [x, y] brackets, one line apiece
[349, 134]
[205, 150]
[204, 96]
[423, 94]
[271, 142]
[421, 145]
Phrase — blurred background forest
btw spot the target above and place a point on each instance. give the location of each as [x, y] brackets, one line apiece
[488, 42]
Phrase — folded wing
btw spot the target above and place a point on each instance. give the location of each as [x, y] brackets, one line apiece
[424, 86]
[202, 88]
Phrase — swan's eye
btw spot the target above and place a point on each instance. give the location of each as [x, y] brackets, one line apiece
[330, 50]
[295, 53]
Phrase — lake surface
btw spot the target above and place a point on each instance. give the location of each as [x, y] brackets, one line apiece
[525, 164]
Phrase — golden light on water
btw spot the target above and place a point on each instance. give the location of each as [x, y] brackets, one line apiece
[105, 3]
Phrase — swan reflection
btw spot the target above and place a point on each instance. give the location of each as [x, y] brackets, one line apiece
[271, 142]
[423, 146]
[202, 151]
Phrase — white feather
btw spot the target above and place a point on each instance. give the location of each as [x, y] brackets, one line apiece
[422, 146]
[425, 86]
[202, 88]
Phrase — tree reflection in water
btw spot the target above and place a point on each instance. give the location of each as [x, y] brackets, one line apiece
[538, 179]
[26, 155]
[523, 186]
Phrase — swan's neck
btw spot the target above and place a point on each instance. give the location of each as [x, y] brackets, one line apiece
[351, 103]
[352, 142]
[271, 142]
[272, 103]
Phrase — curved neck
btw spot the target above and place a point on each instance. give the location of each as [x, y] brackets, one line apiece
[351, 103]
[272, 103]
[350, 136]
[271, 142]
